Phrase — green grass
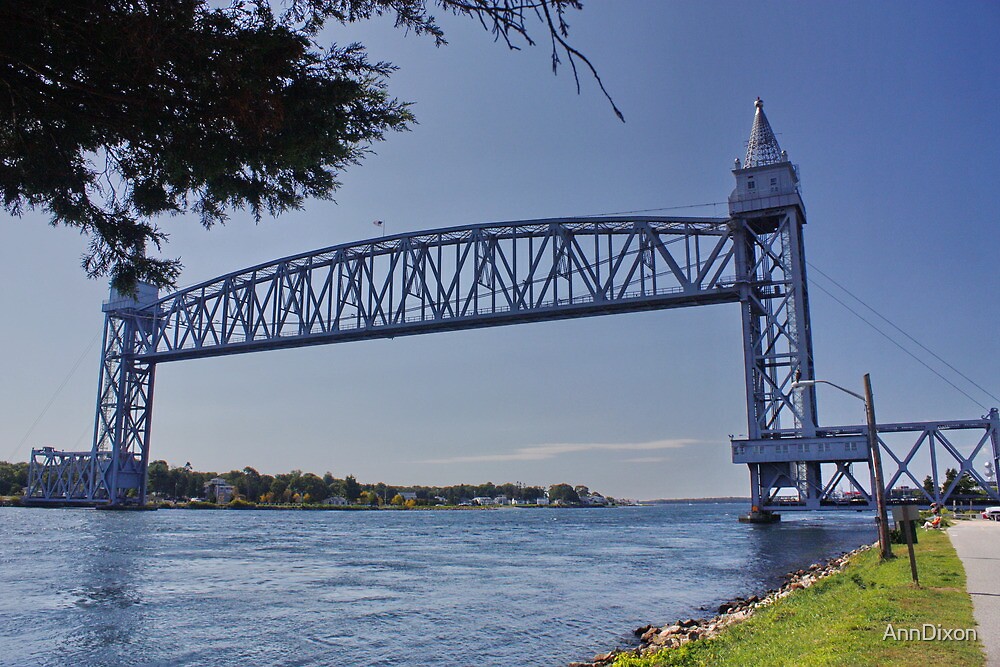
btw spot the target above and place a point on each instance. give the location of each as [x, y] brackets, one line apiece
[841, 620]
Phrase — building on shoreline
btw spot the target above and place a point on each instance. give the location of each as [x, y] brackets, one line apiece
[219, 490]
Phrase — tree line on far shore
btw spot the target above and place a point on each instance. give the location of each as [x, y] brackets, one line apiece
[13, 478]
[181, 482]
[298, 487]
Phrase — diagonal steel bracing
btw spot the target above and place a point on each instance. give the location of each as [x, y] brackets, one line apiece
[933, 447]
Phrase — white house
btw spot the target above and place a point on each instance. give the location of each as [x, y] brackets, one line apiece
[594, 499]
[338, 501]
[482, 500]
[219, 490]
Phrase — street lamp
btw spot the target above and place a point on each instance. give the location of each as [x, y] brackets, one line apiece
[874, 453]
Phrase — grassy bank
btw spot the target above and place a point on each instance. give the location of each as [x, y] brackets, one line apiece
[841, 620]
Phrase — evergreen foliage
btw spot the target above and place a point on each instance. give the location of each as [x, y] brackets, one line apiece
[182, 482]
[115, 112]
[565, 493]
[13, 478]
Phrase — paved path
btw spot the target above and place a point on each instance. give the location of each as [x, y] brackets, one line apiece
[978, 545]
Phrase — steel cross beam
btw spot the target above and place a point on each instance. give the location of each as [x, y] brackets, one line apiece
[777, 338]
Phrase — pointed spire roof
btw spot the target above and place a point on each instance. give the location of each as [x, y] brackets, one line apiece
[763, 146]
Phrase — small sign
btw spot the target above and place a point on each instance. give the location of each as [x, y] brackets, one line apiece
[905, 513]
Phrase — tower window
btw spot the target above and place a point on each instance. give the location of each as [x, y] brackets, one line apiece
[750, 185]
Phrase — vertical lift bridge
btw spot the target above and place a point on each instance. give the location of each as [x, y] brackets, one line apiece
[496, 274]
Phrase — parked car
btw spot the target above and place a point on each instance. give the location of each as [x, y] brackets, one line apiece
[992, 513]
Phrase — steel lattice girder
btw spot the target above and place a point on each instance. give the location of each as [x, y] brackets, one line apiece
[496, 274]
[124, 406]
[938, 441]
[458, 278]
[776, 335]
[933, 439]
[66, 477]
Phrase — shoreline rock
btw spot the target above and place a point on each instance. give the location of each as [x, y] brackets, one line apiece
[654, 638]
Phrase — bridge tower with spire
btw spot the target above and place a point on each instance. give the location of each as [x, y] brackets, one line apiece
[767, 216]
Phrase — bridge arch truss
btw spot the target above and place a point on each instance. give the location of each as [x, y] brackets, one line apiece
[438, 280]
[448, 279]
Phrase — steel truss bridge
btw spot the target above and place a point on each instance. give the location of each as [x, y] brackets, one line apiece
[486, 275]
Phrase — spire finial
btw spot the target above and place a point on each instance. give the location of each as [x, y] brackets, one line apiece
[763, 146]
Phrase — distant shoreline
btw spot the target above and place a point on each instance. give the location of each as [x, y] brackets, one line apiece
[368, 508]
[671, 501]
[14, 501]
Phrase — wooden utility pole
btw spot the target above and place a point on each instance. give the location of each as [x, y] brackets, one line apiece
[876, 463]
[908, 527]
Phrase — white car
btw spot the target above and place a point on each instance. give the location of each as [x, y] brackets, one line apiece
[992, 513]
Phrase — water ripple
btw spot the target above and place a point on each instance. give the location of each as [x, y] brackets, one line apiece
[378, 588]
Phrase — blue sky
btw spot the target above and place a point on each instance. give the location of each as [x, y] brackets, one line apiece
[891, 112]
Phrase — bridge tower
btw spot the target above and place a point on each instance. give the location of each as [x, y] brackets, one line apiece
[114, 471]
[125, 396]
[767, 217]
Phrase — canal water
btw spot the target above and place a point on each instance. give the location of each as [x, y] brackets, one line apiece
[415, 588]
